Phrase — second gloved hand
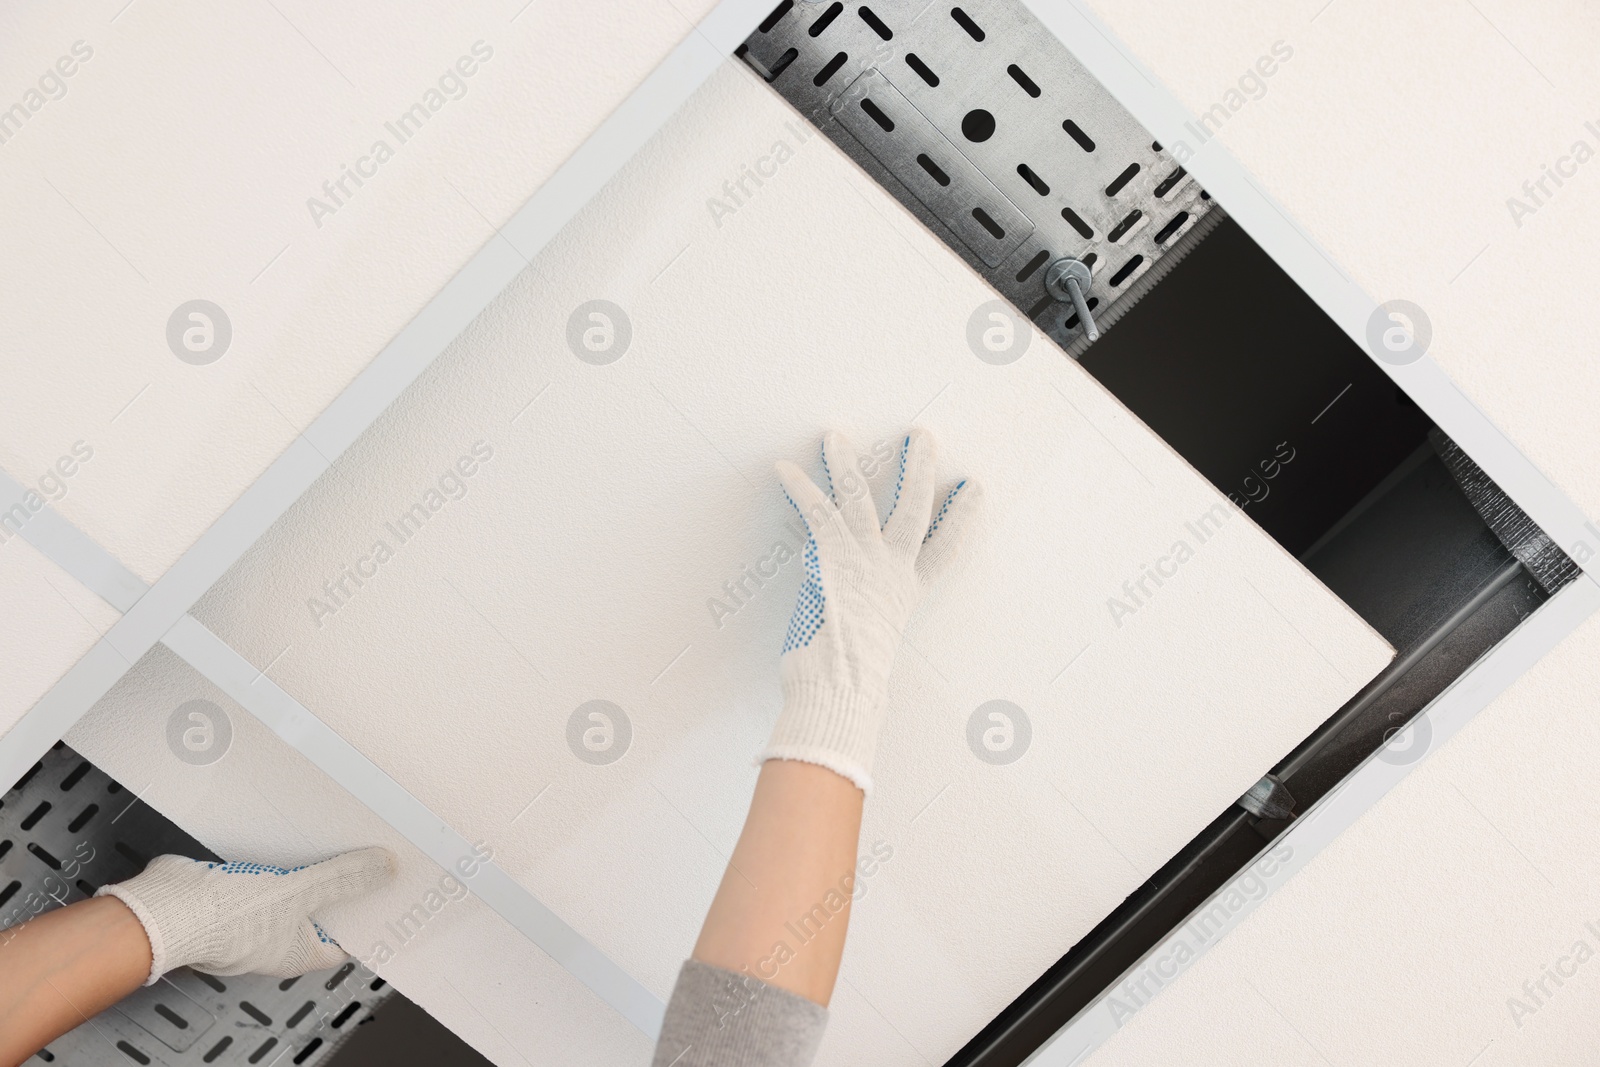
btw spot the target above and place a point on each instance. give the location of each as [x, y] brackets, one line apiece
[244, 918]
[862, 581]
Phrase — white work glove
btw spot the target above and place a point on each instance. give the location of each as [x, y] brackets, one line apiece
[244, 918]
[862, 582]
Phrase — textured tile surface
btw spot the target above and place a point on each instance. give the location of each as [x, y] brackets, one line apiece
[186, 156]
[1459, 916]
[47, 621]
[583, 531]
[263, 801]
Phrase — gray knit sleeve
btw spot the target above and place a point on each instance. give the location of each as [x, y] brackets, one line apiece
[719, 1018]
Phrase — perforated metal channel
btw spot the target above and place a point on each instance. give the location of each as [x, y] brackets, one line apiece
[65, 830]
[985, 127]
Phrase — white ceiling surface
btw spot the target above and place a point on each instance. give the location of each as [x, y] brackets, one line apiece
[1478, 873]
[580, 560]
[47, 622]
[263, 801]
[177, 161]
[1395, 135]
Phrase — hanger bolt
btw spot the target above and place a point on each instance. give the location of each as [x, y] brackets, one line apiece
[1067, 279]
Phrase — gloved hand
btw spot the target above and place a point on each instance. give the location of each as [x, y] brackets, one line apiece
[244, 918]
[861, 583]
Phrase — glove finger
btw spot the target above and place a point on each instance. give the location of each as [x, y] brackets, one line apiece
[851, 495]
[816, 510]
[912, 510]
[950, 526]
[348, 875]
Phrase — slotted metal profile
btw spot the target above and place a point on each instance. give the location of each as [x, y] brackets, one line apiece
[982, 123]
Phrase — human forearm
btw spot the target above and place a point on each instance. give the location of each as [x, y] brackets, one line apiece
[756, 990]
[63, 968]
[783, 907]
[68, 965]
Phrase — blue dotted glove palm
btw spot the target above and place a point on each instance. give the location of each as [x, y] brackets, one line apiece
[862, 582]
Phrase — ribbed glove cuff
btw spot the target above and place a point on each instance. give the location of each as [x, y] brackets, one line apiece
[162, 899]
[831, 727]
